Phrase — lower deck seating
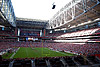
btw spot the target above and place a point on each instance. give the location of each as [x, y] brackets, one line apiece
[81, 60]
[22, 63]
[69, 61]
[93, 59]
[40, 63]
[4, 63]
[72, 61]
[56, 62]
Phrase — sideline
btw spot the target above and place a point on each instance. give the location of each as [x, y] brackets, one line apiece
[61, 52]
[14, 53]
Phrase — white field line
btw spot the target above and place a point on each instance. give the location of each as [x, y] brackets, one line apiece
[26, 53]
[14, 53]
[61, 53]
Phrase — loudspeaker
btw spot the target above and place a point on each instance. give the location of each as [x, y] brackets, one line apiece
[53, 6]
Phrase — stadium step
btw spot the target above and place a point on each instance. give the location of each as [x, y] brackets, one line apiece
[93, 59]
[97, 59]
[48, 63]
[63, 61]
[89, 61]
[11, 63]
[75, 62]
[32, 63]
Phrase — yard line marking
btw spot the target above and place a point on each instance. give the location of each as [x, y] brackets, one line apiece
[47, 54]
[14, 53]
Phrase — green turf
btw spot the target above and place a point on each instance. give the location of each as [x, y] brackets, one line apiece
[38, 52]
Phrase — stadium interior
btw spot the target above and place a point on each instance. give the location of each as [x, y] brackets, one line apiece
[74, 29]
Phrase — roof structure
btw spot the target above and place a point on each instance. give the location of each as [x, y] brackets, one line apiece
[31, 23]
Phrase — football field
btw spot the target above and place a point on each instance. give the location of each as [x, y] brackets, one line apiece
[27, 52]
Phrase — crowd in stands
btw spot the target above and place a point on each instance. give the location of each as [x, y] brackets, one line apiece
[81, 33]
[54, 34]
[6, 33]
[87, 48]
[5, 45]
[80, 49]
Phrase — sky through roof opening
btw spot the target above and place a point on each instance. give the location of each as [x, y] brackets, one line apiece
[37, 9]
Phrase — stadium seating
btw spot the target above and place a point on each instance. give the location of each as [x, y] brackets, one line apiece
[75, 29]
[40, 63]
[88, 48]
[91, 48]
[54, 34]
[81, 33]
[73, 61]
[29, 33]
[4, 63]
[56, 62]
[22, 63]
[69, 61]
[93, 59]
